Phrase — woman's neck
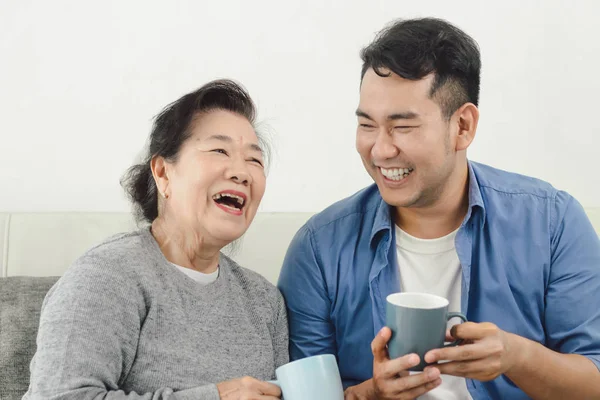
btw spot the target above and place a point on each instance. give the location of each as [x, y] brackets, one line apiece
[182, 245]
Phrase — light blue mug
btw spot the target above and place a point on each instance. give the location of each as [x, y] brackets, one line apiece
[311, 378]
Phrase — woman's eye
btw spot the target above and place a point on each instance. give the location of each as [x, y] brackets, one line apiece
[222, 151]
[257, 161]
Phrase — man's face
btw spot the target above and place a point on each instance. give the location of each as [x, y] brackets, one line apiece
[406, 144]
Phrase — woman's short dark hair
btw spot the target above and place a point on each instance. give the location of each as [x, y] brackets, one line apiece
[415, 48]
[172, 127]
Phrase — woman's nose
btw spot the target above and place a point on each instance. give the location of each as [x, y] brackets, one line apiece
[239, 173]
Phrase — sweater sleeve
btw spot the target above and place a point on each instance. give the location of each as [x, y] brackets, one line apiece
[88, 336]
[281, 333]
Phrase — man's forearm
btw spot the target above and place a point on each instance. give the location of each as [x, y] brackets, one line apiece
[545, 374]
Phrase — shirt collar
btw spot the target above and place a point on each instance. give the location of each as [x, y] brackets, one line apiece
[383, 216]
[475, 198]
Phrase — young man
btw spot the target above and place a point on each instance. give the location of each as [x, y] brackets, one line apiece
[517, 256]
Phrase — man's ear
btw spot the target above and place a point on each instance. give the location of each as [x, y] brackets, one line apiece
[466, 119]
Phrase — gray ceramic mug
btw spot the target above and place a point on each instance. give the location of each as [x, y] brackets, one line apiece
[418, 322]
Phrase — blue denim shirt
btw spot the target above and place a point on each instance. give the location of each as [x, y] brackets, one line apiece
[530, 263]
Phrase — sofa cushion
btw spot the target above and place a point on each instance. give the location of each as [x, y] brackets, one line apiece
[20, 302]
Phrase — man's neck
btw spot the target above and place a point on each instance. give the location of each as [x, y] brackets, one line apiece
[441, 218]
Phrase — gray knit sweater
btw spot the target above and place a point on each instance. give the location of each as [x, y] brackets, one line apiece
[124, 323]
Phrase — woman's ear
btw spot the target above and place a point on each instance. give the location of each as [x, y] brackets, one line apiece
[159, 166]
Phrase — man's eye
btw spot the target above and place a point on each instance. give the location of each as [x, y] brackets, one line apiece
[403, 128]
[366, 126]
[222, 151]
[257, 161]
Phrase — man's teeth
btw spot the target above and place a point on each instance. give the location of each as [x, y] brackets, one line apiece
[396, 174]
[238, 199]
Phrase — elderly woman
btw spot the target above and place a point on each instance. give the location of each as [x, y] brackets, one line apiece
[161, 313]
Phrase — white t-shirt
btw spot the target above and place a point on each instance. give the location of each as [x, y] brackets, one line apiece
[432, 266]
[198, 276]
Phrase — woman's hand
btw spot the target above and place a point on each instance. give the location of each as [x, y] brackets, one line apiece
[248, 388]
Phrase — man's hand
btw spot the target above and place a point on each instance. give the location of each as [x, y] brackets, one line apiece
[486, 352]
[391, 380]
[364, 391]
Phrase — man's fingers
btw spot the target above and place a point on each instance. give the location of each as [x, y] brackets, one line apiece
[482, 370]
[399, 366]
[350, 396]
[473, 330]
[420, 390]
[467, 331]
[449, 337]
[467, 352]
[378, 345]
[414, 381]
[459, 368]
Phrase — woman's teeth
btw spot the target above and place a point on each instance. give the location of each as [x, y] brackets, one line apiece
[239, 200]
[230, 207]
[396, 174]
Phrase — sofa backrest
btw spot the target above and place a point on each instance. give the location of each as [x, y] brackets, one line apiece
[45, 244]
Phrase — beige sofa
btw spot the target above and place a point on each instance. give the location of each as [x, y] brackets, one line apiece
[36, 248]
[45, 244]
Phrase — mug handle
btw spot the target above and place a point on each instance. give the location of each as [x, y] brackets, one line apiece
[455, 315]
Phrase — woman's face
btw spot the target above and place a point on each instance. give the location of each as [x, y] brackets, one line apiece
[218, 180]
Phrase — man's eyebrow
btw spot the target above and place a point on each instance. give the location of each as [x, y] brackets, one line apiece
[402, 115]
[391, 117]
[360, 113]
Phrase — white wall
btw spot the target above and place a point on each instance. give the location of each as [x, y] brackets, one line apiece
[81, 80]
